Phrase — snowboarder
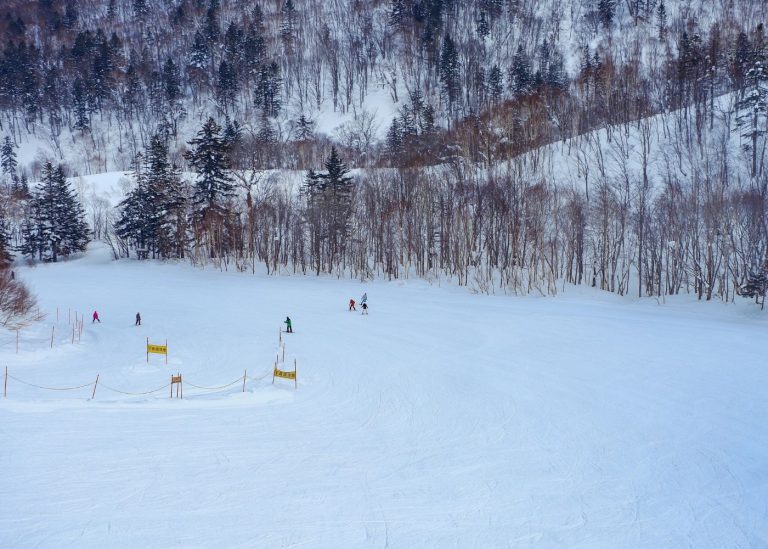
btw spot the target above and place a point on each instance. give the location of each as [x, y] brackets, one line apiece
[288, 327]
[352, 305]
[138, 320]
[95, 318]
[364, 298]
[365, 308]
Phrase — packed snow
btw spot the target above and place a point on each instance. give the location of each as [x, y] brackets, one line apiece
[441, 419]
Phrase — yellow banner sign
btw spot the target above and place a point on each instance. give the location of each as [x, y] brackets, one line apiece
[157, 349]
[286, 375]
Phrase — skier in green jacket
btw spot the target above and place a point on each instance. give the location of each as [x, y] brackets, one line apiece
[288, 327]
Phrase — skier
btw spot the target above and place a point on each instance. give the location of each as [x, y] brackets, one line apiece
[364, 298]
[352, 305]
[95, 318]
[365, 308]
[288, 327]
[138, 320]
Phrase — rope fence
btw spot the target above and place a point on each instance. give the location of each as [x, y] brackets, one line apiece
[77, 329]
[93, 384]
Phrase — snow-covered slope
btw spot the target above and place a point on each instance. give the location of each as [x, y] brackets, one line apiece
[440, 419]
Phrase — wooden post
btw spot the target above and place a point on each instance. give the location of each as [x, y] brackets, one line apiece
[273, 373]
[245, 373]
[171, 382]
[94, 387]
[5, 384]
[53, 329]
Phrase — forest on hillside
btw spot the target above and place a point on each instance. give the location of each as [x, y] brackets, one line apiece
[454, 184]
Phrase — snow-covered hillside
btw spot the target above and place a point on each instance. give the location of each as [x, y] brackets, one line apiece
[441, 419]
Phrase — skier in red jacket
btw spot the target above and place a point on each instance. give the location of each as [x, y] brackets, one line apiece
[95, 318]
[352, 305]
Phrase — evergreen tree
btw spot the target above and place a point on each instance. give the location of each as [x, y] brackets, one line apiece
[394, 141]
[8, 158]
[57, 225]
[661, 21]
[305, 128]
[606, 10]
[268, 89]
[756, 286]
[495, 83]
[483, 26]
[289, 26]
[5, 249]
[449, 72]
[752, 116]
[171, 82]
[209, 159]
[226, 85]
[397, 13]
[520, 78]
[329, 208]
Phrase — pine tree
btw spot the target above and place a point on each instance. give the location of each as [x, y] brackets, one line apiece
[329, 207]
[226, 85]
[756, 286]
[289, 26]
[661, 21]
[752, 116]
[397, 13]
[8, 159]
[171, 82]
[209, 158]
[520, 77]
[57, 226]
[606, 10]
[483, 26]
[449, 72]
[495, 83]
[305, 128]
[394, 141]
[267, 94]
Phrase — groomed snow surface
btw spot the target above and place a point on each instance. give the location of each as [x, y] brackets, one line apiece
[441, 419]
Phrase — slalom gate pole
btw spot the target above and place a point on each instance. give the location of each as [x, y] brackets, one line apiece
[5, 384]
[245, 373]
[57, 315]
[53, 328]
[73, 335]
[17, 341]
[94, 387]
[283, 353]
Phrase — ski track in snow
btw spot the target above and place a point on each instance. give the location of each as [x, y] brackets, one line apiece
[442, 419]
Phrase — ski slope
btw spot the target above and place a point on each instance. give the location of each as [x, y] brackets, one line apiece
[441, 419]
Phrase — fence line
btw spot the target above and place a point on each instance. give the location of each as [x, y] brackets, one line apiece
[131, 393]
